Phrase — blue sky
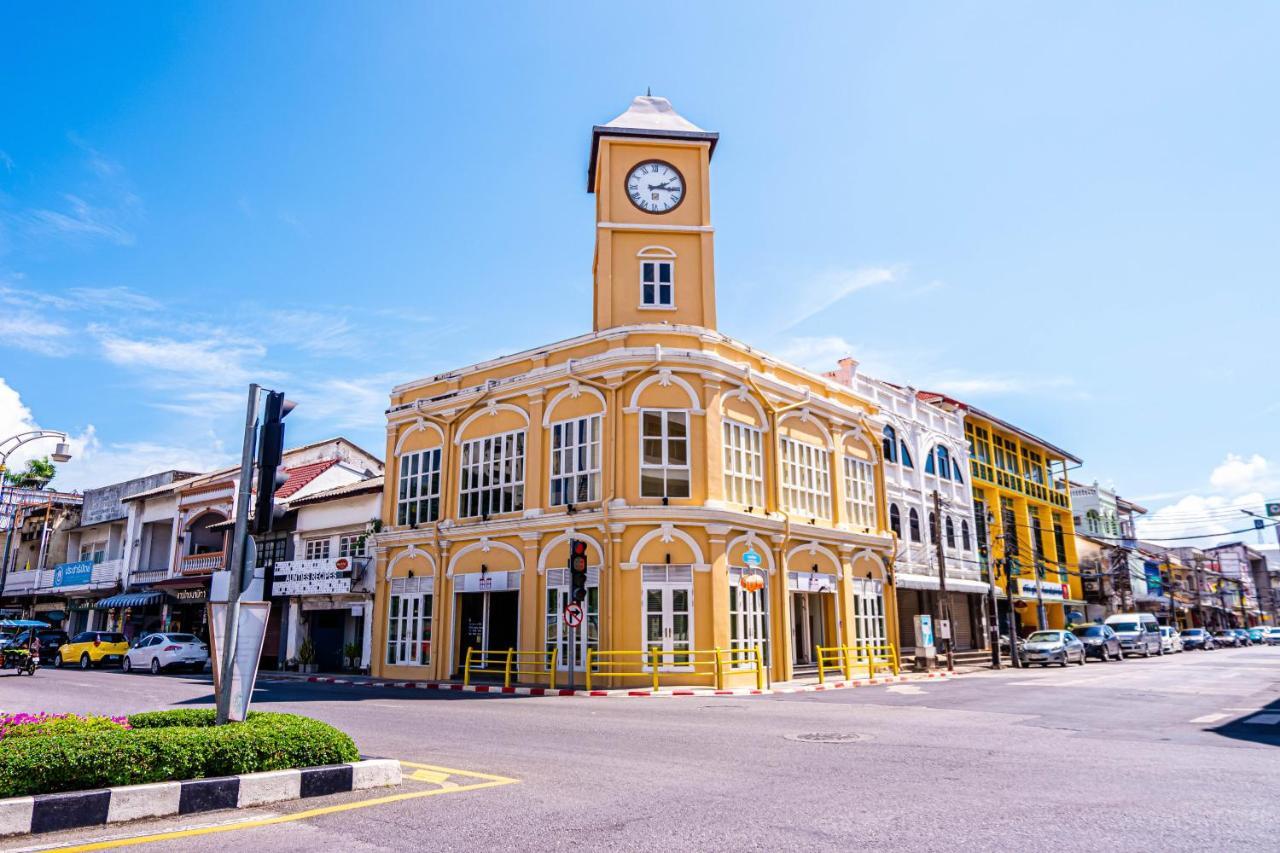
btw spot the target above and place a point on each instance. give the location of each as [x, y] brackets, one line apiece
[1067, 215]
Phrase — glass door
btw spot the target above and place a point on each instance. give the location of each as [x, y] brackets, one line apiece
[749, 619]
[668, 621]
[558, 633]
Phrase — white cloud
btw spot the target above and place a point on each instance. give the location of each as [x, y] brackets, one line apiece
[318, 332]
[25, 329]
[358, 403]
[827, 289]
[17, 418]
[82, 220]
[1237, 475]
[100, 465]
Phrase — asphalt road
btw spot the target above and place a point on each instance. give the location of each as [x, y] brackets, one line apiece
[1150, 755]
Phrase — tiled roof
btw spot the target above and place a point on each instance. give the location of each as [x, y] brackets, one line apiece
[301, 475]
[372, 484]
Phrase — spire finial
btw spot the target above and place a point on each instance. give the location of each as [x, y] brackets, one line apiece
[648, 91]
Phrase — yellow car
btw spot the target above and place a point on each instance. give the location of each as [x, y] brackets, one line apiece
[93, 648]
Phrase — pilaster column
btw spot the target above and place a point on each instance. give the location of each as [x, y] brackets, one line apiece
[531, 614]
[713, 440]
[535, 467]
[837, 474]
[784, 638]
[845, 600]
[717, 536]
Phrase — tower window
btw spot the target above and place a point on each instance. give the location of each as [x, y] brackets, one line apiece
[656, 284]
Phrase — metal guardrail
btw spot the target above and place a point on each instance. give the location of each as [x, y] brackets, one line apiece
[845, 659]
[648, 663]
[512, 662]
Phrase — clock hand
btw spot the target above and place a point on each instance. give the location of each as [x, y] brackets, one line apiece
[666, 186]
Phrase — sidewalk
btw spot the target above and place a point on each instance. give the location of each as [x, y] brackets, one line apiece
[457, 686]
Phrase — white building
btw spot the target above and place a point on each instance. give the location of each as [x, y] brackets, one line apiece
[925, 451]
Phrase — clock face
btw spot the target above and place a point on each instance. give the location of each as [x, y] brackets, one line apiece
[655, 186]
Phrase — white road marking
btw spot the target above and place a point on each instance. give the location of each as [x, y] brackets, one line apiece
[910, 689]
[1264, 720]
[1210, 718]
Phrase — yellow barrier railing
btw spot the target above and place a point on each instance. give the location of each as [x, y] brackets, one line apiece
[511, 662]
[845, 659]
[649, 664]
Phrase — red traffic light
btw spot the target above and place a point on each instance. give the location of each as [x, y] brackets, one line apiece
[578, 548]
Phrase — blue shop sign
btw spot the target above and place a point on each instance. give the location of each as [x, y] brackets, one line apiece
[751, 558]
[73, 574]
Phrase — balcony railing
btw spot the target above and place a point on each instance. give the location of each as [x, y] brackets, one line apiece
[19, 582]
[148, 575]
[203, 564]
[104, 574]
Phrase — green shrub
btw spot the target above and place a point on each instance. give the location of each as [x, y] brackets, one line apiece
[165, 746]
[63, 725]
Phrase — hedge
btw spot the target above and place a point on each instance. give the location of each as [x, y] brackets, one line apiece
[166, 746]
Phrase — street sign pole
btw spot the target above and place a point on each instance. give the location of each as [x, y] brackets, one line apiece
[235, 556]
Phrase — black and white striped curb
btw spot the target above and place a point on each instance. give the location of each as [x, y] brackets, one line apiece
[52, 812]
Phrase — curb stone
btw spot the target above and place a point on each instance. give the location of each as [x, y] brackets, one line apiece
[616, 693]
[76, 809]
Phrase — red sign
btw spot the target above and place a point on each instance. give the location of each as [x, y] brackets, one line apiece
[573, 614]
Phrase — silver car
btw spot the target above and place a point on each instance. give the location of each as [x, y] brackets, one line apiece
[1046, 647]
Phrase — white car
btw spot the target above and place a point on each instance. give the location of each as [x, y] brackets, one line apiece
[1170, 640]
[156, 652]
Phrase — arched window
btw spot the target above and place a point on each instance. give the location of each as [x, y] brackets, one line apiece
[951, 533]
[895, 519]
[890, 442]
[964, 535]
[906, 455]
[933, 529]
[955, 467]
[914, 520]
[944, 462]
[928, 463]
[657, 277]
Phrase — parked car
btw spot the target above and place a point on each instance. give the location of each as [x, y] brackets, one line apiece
[157, 652]
[1197, 638]
[51, 639]
[1243, 634]
[1099, 642]
[1046, 647]
[92, 648]
[1273, 637]
[1170, 640]
[1139, 633]
[1226, 637]
[1258, 635]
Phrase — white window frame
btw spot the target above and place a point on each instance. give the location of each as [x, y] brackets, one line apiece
[408, 624]
[316, 549]
[556, 632]
[491, 475]
[741, 616]
[351, 545]
[665, 467]
[667, 581]
[418, 495]
[576, 461]
[95, 551]
[657, 258]
[743, 464]
[806, 479]
[860, 492]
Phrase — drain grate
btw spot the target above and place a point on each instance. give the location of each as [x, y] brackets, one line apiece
[827, 737]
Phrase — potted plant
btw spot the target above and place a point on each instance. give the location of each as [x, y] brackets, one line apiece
[307, 656]
[351, 651]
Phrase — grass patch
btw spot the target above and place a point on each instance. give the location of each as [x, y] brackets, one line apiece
[163, 746]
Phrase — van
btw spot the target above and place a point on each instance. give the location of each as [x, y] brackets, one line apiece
[1139, 633]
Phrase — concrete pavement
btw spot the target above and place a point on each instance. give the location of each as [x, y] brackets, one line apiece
[1132, 755]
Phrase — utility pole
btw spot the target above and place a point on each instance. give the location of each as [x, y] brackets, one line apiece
[945, 609]
[1013, 616]
[989, 565]
[235, 556]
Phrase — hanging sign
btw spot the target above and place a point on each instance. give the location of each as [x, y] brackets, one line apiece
[751, 558]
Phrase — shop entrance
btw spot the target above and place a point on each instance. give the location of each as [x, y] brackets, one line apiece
[489, 621]
[808, 627]
[326, 632]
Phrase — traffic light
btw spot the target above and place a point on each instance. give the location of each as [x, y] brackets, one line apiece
[271, 475]
[577, 571]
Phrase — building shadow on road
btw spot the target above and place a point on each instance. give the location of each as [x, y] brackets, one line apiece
[1261, 726]
[267, 692]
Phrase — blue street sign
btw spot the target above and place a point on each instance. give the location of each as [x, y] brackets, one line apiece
[751, 558]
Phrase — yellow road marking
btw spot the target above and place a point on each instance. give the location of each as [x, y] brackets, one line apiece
[491, 781]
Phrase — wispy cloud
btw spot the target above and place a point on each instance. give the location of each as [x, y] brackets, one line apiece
[6, 161]
[27, 330]
[81, 220]
[825, 290]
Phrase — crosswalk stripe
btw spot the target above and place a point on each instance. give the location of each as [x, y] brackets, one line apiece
[1210, 718]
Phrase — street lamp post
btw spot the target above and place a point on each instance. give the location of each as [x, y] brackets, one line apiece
[61, 453]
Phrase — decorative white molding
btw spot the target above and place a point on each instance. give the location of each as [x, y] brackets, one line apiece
[410, 553]
[666, 534]
[420, 425]
[806, 416]
[813, 549]
[745, 396]
[751, 540]
[491, 409]
[565, 537]
[573, 391]
[665, 378]
[485, 545]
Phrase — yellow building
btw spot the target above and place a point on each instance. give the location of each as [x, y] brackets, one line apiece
[1022, 506]
[685, 460]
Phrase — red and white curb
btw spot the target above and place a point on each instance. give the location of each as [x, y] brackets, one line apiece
[564, 691]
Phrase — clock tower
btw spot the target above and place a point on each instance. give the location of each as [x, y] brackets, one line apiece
[654, 260]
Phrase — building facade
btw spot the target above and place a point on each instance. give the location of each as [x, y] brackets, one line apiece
[726, 500]
[1113, 572]
[1022, 507]
[924, 451]
[35, 545]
